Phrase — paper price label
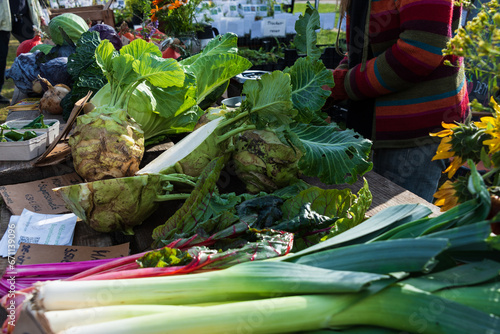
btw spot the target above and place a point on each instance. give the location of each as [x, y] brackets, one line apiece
[274, 27]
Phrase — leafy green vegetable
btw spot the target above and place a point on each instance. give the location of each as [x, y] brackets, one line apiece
[305, 27]
[84, 70]
[107, 138]
[165, 257]
[166, 110]
[308, 96]
[267, 105]
[334, 156]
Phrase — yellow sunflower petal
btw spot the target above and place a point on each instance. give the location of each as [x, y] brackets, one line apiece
[442, 133]
[448, 125]
[456, 163]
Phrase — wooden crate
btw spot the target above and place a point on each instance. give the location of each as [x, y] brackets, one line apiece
[97, 13]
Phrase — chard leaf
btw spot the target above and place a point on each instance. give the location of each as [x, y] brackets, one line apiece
[307, 79]
[316, 214]
[159, 71]
[164, 257]
[227, 43]
[330, 203]
[270, 99]
[266, 244]
[308, 227]
[305, 27]
[192, 211]
[105, 52]
[334, 156]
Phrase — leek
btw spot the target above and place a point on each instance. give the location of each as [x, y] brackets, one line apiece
[61, 320]
[397, 307]
[249, 280]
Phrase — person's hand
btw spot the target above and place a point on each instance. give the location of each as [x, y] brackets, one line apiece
[338, 90]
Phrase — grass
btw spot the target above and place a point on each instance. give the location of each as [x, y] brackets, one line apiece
[8, 86]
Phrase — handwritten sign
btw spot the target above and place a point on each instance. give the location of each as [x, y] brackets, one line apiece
[37, 196]
[34, 253]
[274, 27]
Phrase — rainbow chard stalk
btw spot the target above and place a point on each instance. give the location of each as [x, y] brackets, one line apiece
[106, 142]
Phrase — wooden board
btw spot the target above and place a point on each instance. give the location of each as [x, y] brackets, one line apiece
[92, 13]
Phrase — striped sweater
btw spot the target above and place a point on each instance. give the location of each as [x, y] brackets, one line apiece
[413, 90]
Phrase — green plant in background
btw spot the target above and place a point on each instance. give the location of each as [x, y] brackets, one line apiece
[260, 56]
[176, 17]
[139, 9]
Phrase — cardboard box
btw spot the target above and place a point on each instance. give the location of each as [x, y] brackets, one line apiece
[24, 150]
[52, 131]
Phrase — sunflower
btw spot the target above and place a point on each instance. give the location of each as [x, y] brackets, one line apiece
[452, 193]
[492, 127]
[459, 143]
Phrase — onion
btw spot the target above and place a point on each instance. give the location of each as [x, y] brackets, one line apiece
[51, 100]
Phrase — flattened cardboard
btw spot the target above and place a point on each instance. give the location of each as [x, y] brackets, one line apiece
[35, 253]
[37, 196]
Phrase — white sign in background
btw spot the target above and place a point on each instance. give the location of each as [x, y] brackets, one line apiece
[274, 27]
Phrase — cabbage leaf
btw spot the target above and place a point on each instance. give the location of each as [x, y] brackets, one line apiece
[308, 96]
[334, 156]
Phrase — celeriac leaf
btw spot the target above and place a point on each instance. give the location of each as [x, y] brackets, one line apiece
[334, 156]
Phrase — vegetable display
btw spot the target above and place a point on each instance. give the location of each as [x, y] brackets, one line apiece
[164, 111]
[277, 255]
[106, 141]
[386, 274]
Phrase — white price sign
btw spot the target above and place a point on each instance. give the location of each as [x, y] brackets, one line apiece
[274, 27]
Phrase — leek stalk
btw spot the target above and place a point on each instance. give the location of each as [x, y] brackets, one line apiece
[397, 307]
[62, 320]
[249, 280]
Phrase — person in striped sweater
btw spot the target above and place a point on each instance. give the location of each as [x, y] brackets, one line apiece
[399, 86]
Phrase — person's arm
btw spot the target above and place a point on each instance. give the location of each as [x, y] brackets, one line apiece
[426, 28]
